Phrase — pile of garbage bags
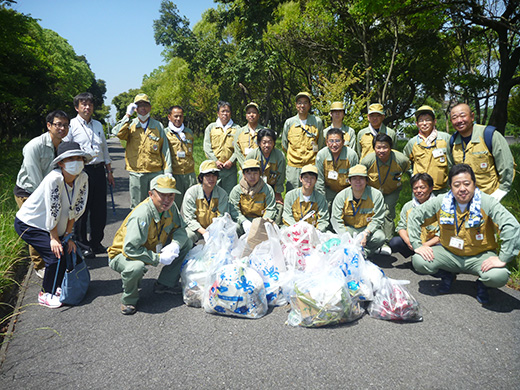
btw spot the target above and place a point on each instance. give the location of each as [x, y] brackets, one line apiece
[324, 276]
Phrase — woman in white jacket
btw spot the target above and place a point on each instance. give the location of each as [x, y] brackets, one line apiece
[46, 218]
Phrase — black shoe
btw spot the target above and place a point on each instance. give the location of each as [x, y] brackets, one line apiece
[128, 310]
[88, 253]
[98, 249]
[482, 293]
[447, 279]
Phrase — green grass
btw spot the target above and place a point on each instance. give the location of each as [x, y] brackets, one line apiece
[11, 246]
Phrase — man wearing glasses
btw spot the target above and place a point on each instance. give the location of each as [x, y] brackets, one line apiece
[428, 150]
[38, 155]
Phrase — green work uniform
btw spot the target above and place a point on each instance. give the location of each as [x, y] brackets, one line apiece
[365, 139]
[219, 146]
[272, 171]
[333, 175]
[245, 142]
[349, 136]
[199, 212]
[386, 177]
[492, 171]
[433, 160]
[296, 208]
[478, 240]
[147, 154]
[301, 145]
[137, 243]
[261, 204]
[349, 215]
[183, 164]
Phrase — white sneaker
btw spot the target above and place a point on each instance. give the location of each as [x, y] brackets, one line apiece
[40, 272]
[385, 250]
[49, 300]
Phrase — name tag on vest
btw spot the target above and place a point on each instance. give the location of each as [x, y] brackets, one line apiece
[438, 152]
[456, 242]
[333, 175]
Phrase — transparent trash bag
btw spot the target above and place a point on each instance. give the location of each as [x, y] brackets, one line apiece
[394, 302]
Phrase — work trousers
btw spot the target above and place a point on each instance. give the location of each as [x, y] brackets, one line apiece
[139, 185]
[132, 272]
[227, 178]
[96, 208]
[293, 178]
[182, 183]
[447, 261]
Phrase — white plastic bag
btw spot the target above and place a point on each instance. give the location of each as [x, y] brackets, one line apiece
[236, 291]
[194, 272]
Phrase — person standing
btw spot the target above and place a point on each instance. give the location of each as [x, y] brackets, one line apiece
[333, 163]
[38, 155]
[302, 138]
[272, 166]
[246, 137]
[147, 152]
[428, 150]
[219, 146]
[365, 138]
[90, 136]
[337, 114]
[181, 141]
[385, 169]
[486, 151]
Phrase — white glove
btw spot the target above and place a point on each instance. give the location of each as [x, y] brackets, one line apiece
[246, 225]
[499, 194]
[172, 249]
[166, 258]
[131, 109]
[206, 236]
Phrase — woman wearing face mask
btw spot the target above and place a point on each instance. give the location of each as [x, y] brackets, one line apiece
[46, 218]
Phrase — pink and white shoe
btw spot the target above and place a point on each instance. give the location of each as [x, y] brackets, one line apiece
[49, 300]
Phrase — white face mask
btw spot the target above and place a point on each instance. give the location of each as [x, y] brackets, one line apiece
[74, 167]
[143, 118]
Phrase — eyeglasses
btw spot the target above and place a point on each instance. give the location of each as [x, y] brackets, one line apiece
[60, 125]
[334, 141]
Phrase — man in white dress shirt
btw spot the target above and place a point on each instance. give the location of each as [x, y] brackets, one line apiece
[89, 134]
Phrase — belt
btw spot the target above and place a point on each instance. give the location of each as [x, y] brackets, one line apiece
[100, 165]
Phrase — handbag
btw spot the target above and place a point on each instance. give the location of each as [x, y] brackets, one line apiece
[76, 280]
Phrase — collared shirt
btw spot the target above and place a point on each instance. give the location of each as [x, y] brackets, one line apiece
[38, 155]
[295, 208]
[198, 212]
[91, 138]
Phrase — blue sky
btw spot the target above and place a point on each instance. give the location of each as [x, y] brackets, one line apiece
[116, 36]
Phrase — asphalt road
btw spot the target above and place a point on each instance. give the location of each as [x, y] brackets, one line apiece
[460, 344]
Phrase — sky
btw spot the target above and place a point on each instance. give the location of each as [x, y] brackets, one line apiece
[116, 36]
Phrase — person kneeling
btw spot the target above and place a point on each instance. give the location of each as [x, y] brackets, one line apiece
[300, 202]
[422, 188]
[360, 209]
[251, 198]
[467, 218]
[141, 240]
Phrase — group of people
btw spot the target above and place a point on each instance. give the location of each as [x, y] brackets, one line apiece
[334, 180]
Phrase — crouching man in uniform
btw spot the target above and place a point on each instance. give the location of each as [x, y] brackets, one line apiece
[467, 218]
[142, 240]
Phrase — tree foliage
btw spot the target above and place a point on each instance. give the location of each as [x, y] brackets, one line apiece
[401, 54]
[39, 72]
